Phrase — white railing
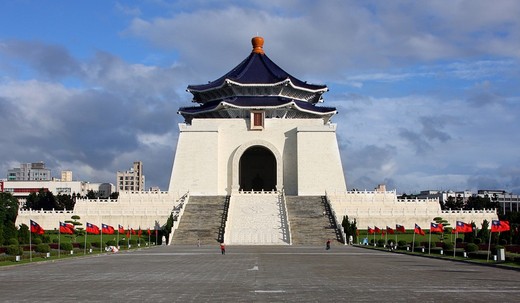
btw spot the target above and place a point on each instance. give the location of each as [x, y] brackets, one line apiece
[336, 220]
[286, 218]
[177, 212]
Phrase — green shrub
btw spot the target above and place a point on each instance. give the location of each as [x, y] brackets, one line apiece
[14, 250]
[36, 241]
[381, 242]
[495, 250]
[123, 242]
[111, 243]
[96, 244]
[448, 246]
[84, 245]
[55, 240]
[471, 247]
[503, 242]
[402, 243]
[46, 239]
[42, 248]
[477, 241]
[134, 242]
[13, 241]
[66, 246]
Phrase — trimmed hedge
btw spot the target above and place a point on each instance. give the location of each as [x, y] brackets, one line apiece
[471, 247]
[14, 250]
[66, 246]
[88, 245]
[42, 248]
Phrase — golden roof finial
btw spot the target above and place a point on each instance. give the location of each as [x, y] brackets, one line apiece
[258, 44]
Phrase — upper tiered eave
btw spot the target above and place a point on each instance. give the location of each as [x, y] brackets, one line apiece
[257, 75]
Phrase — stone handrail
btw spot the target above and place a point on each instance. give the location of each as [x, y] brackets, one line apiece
[335, 217]
[177, 212]
[288, 223]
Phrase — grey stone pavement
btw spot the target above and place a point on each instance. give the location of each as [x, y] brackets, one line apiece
[256, 274]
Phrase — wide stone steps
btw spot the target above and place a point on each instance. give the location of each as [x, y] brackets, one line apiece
[256, 219]
[310, 221]
[201, 221]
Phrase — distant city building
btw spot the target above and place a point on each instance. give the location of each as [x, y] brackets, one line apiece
[66, 176]
[22, 189]
[105, 190]
[29, 172]
[131, 180]
[508, 202]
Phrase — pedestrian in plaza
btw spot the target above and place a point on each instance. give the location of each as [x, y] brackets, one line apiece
[328, 245]
[222, 248]
[350, 240]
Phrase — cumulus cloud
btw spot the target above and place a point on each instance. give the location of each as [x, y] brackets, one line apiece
[427, 94]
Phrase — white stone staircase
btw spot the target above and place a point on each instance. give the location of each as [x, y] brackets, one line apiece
[257, 218]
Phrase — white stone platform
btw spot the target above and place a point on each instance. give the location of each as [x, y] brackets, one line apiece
[256, 219]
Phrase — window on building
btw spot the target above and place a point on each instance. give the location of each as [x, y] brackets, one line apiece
[257, 120]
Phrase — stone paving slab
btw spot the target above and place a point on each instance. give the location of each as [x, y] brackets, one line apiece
[256, 274]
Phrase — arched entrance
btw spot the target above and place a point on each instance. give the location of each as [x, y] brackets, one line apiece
[257, 169]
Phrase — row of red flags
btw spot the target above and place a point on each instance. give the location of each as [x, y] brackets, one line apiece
[461, 227]
[67, 228]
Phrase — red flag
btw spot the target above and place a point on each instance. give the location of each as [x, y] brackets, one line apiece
[436, 227]
[389, 230]
[107, 229]
[93, 229]
[383, 232]
[128, 234]
[149, 231]
[377, 230]
[418, 230]
[370, 230]
[121, 229]
[462, 227]
[400, 228]
[140, 232]
[499, 226]
[36, 228]
[132, 231]
[66, 228]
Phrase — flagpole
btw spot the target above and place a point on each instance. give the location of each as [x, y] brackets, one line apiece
[85, 247]
[489, 244]
[101, 244]
[156, 235]
[117, 244]
[430, 240]
[413, 241]
[59, 241]
[30, 242]
[149, 236]
[455, 242]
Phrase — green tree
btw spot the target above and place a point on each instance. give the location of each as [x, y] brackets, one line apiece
[483, 233]
[23, 234]
[64, 202]
[92, 195]
[78, 230]
[114, 195]
[447, 228]
[44, 199]
[8, 214]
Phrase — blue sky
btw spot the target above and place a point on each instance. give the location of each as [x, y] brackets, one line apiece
[428, 92]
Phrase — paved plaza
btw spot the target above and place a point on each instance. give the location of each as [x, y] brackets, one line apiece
[257, 274]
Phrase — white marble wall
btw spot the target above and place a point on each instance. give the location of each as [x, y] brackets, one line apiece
[134, 210]
[383, 209]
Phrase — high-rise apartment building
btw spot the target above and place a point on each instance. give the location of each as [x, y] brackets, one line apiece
[29, 172]
[131, 180]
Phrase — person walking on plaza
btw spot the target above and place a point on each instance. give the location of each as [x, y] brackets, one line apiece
[328, 244]
[222, 248]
